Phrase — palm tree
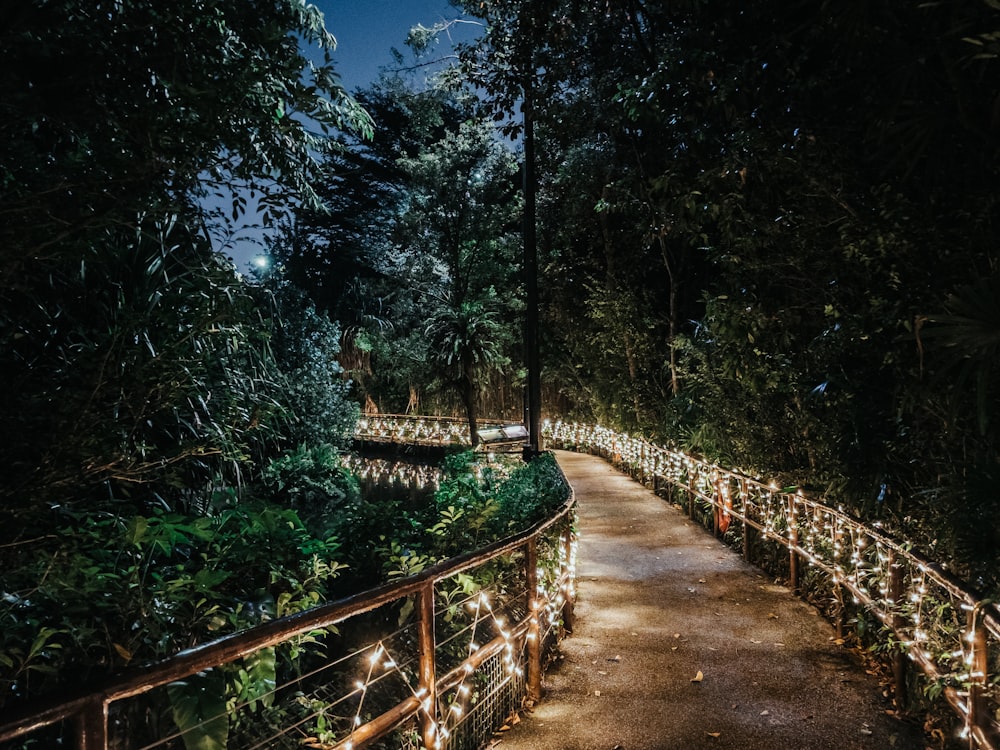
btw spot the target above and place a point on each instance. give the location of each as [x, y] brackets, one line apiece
[466, 340]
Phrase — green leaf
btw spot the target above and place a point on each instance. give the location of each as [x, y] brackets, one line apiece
[260, 678]
[198, 705]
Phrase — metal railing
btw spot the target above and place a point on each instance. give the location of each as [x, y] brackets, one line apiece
[929, 617]
[436, 660]
[447, 677]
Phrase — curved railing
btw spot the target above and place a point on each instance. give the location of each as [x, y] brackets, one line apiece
[929, 616]
[437, 660]
[471, 654]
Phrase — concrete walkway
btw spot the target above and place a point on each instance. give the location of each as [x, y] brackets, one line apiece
[680, 644]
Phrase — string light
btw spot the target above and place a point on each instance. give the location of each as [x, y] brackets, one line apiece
[898, 587]
[854, 554]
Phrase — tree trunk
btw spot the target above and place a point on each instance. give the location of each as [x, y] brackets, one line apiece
[614, 289]
[675, 382]
[469, 401]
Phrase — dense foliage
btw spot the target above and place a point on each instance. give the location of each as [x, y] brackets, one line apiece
[133, 356]
[418, 255]
[97, 592]
[769, 233]
[149, 389]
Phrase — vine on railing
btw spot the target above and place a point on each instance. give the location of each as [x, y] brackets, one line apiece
[928, 615]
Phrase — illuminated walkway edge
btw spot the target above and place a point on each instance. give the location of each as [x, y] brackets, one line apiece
[660, 601]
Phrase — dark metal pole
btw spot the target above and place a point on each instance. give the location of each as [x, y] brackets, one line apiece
[531, 356]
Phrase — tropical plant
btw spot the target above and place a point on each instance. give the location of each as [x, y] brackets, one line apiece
[139, 369]
[465, 342]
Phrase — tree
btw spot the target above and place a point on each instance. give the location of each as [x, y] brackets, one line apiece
[311, 385]
[455, 242]
[794, 215]
[142, 369]
[421, 231]
[116, 109]
[132, 351]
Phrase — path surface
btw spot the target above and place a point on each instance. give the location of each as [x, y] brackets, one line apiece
[660, 601]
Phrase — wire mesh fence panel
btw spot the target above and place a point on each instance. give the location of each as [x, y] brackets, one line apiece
[498, 693]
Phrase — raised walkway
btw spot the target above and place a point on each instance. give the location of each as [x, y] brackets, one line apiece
[680, 644]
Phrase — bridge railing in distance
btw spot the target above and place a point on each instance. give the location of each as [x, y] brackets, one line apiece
[413, 430]
[929, 617]
[438, 659]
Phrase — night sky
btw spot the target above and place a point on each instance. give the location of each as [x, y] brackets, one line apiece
[367, 30]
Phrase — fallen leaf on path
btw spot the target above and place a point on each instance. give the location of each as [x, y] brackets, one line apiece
[771, 616]
[698, 677]
[616, 658]
[714, 734]
[702, 580]
[755, 641]
[677, 635]
[765, 712]
[601, 671]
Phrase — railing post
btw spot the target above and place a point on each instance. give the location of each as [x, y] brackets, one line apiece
[978, 664]
[534, 628]
[690, 492]
[747, 528]
[428, 681]
[793, 543]
[898, 624]
[568, 613]
[92, 726]
[838, 621]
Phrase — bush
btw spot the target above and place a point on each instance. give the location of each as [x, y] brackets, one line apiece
[97, 592]
[311, 481]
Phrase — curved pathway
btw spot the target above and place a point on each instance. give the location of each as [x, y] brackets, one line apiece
[660, 604]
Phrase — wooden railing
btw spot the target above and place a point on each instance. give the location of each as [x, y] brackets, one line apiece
[929, 617]
[437, 660]
[496, 632]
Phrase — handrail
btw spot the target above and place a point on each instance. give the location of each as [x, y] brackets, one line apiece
[946, 629]
[89, 710]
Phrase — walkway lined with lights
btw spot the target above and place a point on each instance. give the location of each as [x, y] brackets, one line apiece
[680, 644]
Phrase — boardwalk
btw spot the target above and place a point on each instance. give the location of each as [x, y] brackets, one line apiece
[660, 604]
